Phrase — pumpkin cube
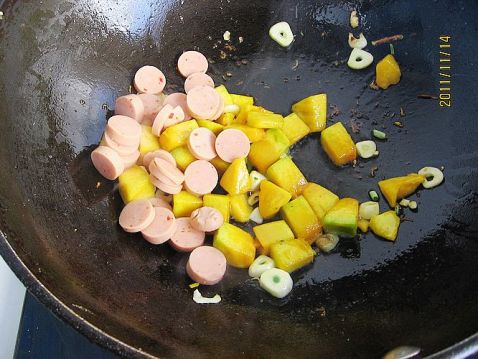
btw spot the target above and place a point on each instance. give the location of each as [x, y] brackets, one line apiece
[301, 218]
[134, 184]
[287, 175]
[338, 144]
[240, 209]
[394, 189]
[294, 128]
[271, 199]
[219, 202]
[342, 218]
[184, 203]
[236, 179]
[292, 254]
[236, 244]
[272, 232]
[319, 198]
[385, 225]
[177, 135]
[313, 111]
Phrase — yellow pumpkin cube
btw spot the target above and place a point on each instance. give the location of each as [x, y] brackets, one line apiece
[313, 111]
[271, 199]
[236, 244]
[148, 141]
[240, 209]
[236, 179]
[394, 189]
[264, 120]
[387, 72]
[319, 198]
[267, 151]
[183, 157]
[385, 225]
[253, 134]
[287, 175]
[226, 96]
[226, 119]
[242, 101]
[301, 218]
[184, 203]
[294, 128]
[214, 127]
[134, 184]
[272, 232]
[291, 254]
[220, 164]
[342, 218]
[363, 225]
[219, 202]
[338, 144]
[177, 135]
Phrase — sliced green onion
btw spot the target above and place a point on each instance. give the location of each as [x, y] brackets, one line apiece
[379, 134]
[373, 195]
[392, 49]
[398, 210]
[194, 285]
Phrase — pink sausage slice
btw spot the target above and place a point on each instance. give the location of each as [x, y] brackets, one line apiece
[175, 117]
[201, 143]
[165, 155]
[206, 265]
[136, 215]
[152, 105]
[107, 162]
[161, 228]
[166, 188]
[186, 238]
[131, 159]
[121, 149]
[191, 62]
[168, 116]
[124, 130]
[159, 202]
[159, 167]
[131, 106]
[200, 178]
[178, 99]
[150, 80]
[198, 79]
[232, 144]
[220, 109]
[206, 219]
[203, 102]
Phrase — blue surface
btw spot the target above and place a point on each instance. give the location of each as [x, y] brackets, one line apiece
[43, 335]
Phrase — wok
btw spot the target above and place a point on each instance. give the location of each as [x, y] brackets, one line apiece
[62, 64]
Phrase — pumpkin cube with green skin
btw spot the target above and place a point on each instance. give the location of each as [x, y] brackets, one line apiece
[267, 151]
[240, 209]
[236, 179]
[236, 244]
[342, 218]
[220, 202]
[291, 254]
[272, 232]
[313, 111]
[184, 203]
[134, 184]
[394, 189]
[287, 175]
[301, 218]
[385, 225]
[294, 128]
[319, 198]
[271, 199]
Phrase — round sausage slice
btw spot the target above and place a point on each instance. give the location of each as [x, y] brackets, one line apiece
[137, 215]
[159, 167]
[201, 143]
[121, 149]
[152, 105]
[166, 188]
[206, 265]
[175, 117]
[161, 228]
[191, 62]
[203, 102]
[123, 130]
[198, 79]
[165, 155]
[200, 178]
[159, 202]
[107, 162]
[220, 109]
[150, 80]
[178, 99]
[206, 219]
[186, 238]
[232, 144]
[131, 159]
[168, 116]
[131, 106]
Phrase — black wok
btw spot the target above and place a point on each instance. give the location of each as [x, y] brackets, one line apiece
[63, 63]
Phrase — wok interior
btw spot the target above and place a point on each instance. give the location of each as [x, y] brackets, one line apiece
[64, 63]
